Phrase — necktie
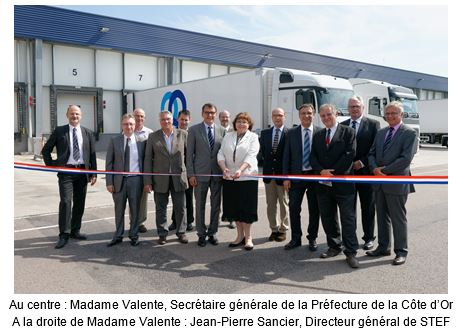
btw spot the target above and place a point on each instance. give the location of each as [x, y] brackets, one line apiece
[127, 155]
[388, 139]
[306, 149]
[76, 148]
[327, 138]
[211, 138]
[276, 140]
[354, 123]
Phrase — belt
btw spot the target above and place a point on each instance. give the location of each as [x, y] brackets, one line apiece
[75, 166]
[307, 172]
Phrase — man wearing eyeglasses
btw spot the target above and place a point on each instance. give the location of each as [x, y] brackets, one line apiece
[204, 141]
[391, 154]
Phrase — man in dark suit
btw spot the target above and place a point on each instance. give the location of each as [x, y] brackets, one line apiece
[272, 142]
[75, 149]
[365, 129]
[125, 153]
[204, 141]
[333, 152]
[165, 154]
[391, 154]
[296, 161]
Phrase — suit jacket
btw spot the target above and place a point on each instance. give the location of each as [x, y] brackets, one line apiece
[60, 138]
[199, 158]
[272, 162]
[365, 138]
[338, 155]
[159, 160]
[396, 159]
[114, 160]
[293, 152]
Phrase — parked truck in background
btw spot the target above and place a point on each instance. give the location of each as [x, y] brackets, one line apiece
[256, 91]
[377, 94]
[433, 118]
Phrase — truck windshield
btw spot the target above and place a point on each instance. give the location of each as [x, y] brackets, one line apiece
[338, 97]
[409, 106]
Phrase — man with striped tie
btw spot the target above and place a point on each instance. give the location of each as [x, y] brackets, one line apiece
[296, 161]
[75, 149]
[391, 154]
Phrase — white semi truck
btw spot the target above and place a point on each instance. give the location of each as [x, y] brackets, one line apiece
[377, 94]
[256, 91]
[433, 118]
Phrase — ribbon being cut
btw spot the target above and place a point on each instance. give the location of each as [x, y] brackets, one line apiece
[417, 179]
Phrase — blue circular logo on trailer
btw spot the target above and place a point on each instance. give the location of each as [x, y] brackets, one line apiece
[170, 103]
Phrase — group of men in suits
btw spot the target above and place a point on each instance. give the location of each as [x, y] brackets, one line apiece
[182, 158]
[356, 146]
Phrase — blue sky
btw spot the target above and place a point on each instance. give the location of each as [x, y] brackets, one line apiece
[408, 37]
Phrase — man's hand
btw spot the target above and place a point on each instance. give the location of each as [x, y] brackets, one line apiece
[287, 185]
[378, 171]
[327, 172]
[193, 181]
[93, 180]
[111, 189]
[148, 188]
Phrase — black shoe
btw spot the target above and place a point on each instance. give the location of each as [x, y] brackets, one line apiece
[352, 261]
[213, 240]
[331, 252]
[378, 252]
[142, 229]
[312, 245]
[182, 239]
[135, 242]
[292, 244]
[114, 242]
[61, 243]
[162, 240]
[236, 244]
[189, 227]
[281, 236]
[273, 236]
[78, 236]
[202, 242]
[172, 227]
[368, 245]
[399, 260]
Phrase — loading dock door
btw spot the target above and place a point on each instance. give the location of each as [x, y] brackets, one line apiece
[87, 104]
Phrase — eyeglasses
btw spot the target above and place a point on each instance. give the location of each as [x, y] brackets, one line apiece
[210, 113]
[392, 114]
[350, 107]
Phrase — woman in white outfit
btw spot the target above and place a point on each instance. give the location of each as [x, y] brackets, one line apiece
[237, 159]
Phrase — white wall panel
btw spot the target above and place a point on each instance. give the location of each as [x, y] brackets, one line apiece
[73, 66]
[109, 70]
[47, 64]
[20, 61]
[140, 72]
[234, 69]
[216, 70]
[112, 112]
[193, 70]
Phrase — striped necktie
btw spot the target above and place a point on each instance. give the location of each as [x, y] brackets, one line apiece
[276, 140]
[306, 150]
[354, 123]
[388, 139]
[76, 148]
[327, 138]
[211, 138]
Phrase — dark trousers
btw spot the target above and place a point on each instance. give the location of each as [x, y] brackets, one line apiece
[296, 195]
[329, 200]
[366, 195]
[131, 190]
[189, 207]
[178, 204]
[72, 187]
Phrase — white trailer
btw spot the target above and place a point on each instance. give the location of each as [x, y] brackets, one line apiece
[433, 118]
[377, 94]
[255, 91]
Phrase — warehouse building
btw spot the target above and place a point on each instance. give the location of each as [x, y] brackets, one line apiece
[65, 57]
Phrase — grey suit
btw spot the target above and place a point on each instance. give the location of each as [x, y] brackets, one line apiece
[126, 188]
[200, 159]
[391, 198]
[158, 159]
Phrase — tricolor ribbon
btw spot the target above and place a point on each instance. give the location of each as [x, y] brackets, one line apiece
[391, 179]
